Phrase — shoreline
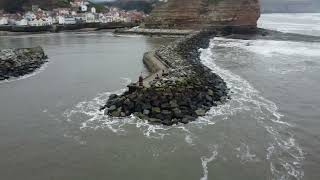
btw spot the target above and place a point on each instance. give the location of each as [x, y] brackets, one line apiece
[7, 30]
[186, 90]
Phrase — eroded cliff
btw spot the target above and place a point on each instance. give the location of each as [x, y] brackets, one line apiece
[197, 14]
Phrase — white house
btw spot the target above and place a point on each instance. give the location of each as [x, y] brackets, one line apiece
[48, 20]
[84, 8]
[73, 13]
[90, 18]
[36, 22]
[61, 11]
[61, 20]
[93, 10]
[55, 20]
[80, 18]
[69, 20]
[22, 22]
[102, 18]
[4, 21]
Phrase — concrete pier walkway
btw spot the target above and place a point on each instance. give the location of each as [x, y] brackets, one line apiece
[155, 66]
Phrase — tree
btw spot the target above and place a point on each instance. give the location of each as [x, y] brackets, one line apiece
[14, 6]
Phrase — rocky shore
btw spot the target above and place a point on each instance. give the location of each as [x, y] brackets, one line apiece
[65, 27]
[18, 62]
[184, 91]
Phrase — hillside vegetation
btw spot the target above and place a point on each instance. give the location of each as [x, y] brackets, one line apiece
[13, 6]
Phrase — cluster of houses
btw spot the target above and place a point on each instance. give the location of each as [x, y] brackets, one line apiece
[80, 12]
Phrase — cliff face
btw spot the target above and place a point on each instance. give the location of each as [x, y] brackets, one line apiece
[176, 14]
[197, 14]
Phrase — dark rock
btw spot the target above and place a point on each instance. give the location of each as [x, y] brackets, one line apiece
[18, 62]
[200, 112]
[188, 119]
[113, 108]
[116, 113]
[154, 121]
[209, 98]
[166, 114]
[138, 107]
[146, 112]
[140, 115]
[167, 122]
[156, 110]
[165, 106]
[113, 96]
[177, 113]
[174, 104]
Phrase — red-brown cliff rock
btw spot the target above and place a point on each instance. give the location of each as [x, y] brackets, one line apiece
[197, 14]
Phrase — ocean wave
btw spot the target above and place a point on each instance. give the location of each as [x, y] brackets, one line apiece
[303, 23]
[271, 48]
[246, 98]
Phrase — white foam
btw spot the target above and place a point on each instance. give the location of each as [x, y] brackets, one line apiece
[206, 160]
[245, 155]
[246, 98]
[272, 48]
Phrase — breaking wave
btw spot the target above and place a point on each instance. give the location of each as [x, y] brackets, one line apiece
[265, 112]
[307, 23]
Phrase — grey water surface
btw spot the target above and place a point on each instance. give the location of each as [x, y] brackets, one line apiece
[51, 127]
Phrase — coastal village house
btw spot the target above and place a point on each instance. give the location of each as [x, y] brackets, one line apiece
[90, 18]
[69, 20]
[4, 20]
[84, 8]
[21, 22]
[93, 10]
[78, 13]
[66, 20]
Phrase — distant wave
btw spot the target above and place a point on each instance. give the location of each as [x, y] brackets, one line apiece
[302, 23]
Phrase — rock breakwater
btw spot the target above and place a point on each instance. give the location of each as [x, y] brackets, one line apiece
[186, 90]
[18, 62]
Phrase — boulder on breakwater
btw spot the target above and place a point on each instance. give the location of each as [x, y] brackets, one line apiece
[186, 90]
[18, 62]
